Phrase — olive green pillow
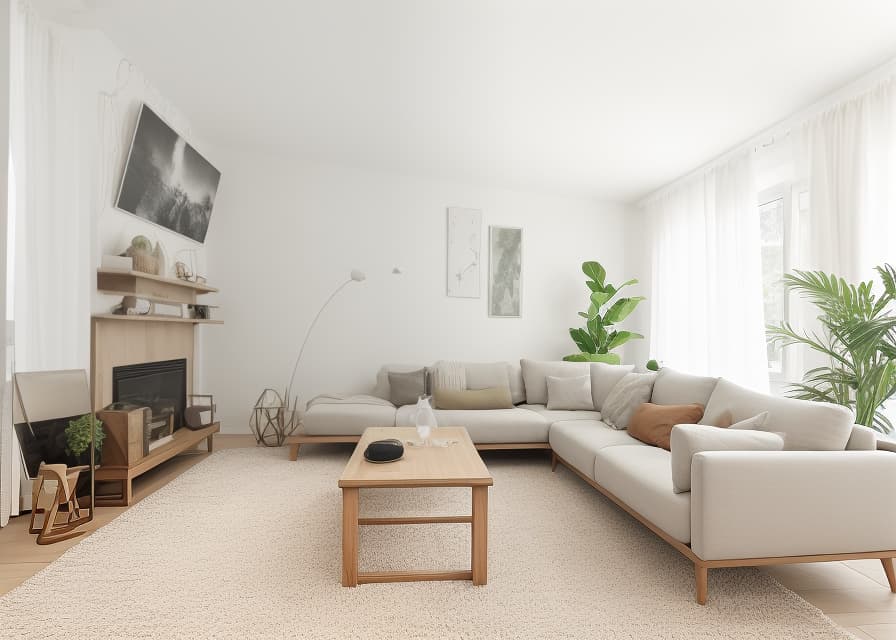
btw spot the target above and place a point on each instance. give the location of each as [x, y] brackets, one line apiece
[491, 398]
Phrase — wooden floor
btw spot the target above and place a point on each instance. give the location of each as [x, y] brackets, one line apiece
[853, 593]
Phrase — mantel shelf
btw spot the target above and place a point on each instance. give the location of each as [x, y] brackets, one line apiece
[154, 318]
[199, 288]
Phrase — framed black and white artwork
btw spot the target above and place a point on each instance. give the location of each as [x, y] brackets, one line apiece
[464, 248]
[166, 181]
[505, 268]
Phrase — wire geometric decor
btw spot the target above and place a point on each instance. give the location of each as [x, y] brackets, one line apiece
[268, 421]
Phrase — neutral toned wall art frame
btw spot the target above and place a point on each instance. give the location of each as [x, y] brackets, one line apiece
[505, 269]
[464, 251]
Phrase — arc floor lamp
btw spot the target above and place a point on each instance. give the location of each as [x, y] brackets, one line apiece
[275, 417]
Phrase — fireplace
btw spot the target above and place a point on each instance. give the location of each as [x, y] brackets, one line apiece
[161, 386]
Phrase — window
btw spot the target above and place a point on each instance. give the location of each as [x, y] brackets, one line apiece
[780, 209]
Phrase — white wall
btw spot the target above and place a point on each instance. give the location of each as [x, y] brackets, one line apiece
[285, 234]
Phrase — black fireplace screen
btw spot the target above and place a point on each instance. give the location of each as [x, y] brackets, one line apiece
[161, 386]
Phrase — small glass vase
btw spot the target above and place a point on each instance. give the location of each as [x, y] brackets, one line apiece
[424, 420]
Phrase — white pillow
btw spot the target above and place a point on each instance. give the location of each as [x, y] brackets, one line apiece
[535, 372]
[755, 422]
[603, 378]
[629, 393]
[688, 439]
[571, 394]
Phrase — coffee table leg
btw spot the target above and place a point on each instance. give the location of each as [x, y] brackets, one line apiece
[479, 551]
[350, 537]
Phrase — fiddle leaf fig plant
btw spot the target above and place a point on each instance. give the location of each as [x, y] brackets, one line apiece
[597, 339]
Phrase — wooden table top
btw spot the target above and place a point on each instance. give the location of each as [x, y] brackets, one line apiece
[457, 465]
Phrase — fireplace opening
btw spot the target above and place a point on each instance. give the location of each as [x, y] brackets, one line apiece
[161, 386]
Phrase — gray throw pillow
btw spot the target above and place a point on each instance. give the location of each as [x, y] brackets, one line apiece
[629, 393]
[406, 388]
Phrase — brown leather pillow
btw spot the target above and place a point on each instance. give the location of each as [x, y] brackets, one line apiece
[652, 423]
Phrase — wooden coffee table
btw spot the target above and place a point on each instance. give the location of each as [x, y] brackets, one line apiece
[457, 465]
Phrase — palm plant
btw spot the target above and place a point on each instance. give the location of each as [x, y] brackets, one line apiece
[597, 339]
[859, 338]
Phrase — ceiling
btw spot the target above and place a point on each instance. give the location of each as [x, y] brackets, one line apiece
[598, 98]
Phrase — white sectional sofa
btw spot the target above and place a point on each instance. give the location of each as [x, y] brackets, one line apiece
[816, 500]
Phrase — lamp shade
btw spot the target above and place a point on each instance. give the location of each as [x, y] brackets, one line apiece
[358, 275]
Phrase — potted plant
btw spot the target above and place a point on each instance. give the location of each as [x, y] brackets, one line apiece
[77, 435]
[597, 339]
[858, 337]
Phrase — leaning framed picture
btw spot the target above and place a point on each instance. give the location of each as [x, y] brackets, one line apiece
[166, 181]
[505, 269]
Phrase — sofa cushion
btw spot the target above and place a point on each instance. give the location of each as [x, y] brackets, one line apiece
[603, 378]
[517, 386]
[571, 394]
[629, 393]
[556, 415]
[675, 387]
[382, 389]
[805, 425]
[493, 398]
[577, 442]
[346, 419]
[406, 387]
[487, 426]
[486, 375]
[642, 478]
[652, 423]
[535, 372]
[688, 439]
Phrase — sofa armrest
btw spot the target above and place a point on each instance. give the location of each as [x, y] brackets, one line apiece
[757, 504]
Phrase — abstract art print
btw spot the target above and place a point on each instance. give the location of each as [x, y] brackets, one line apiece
[505, 267]
[464, 249]
[166, 181]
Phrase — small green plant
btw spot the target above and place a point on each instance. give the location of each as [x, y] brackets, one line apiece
[652, 365]
[597, 339]
[77, 434]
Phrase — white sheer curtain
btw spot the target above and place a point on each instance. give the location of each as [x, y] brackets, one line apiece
[849, 154]
[51, 121]
[706, 281]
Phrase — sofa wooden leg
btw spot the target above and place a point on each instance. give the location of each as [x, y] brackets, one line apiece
[553, 461]
[294, 451]
[701, 572]
[891, 574]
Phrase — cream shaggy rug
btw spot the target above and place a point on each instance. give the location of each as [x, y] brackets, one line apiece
[247, 545]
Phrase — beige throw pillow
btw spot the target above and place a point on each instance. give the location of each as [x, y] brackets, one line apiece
[627, 395]
[468, 399]
[571, 394]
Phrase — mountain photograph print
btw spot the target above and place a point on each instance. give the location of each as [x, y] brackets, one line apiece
[166, 181]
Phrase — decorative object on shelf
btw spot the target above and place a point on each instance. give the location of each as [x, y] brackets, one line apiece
[193, 414]
[424, 420]
[145, 257]
[275, 417]
[381, 451]
[181, 271]
[166, 181]
[133, 306]
[122, 263]
[200, 311]
[597, 339]
[464, 250]
[505, 266]
[859, 341]
[60, 438]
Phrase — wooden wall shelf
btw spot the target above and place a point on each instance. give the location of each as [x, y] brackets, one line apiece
[148, 277]
[154, 318]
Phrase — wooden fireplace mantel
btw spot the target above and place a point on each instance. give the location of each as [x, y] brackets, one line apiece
[119, 340]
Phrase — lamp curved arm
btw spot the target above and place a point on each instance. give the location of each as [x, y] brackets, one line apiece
[308, 334]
